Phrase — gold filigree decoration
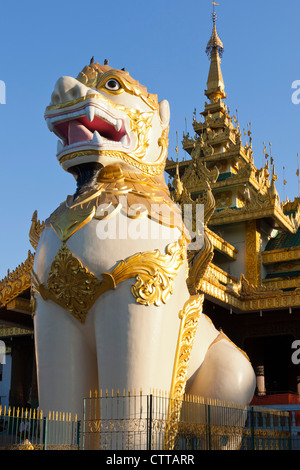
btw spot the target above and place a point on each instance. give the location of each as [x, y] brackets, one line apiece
[96, 75]
[16, 281]
[151, 169]
[71, 285]
[150, 193]
[223, 199]
[36, 230]
[141, 125]
[154, 273]
[189, 319]
[199, 262]
[76, 289]
[67, 220]
[93, 77]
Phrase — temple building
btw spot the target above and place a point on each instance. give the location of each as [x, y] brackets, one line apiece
[18, 382]
[248, 266]
[250, 263]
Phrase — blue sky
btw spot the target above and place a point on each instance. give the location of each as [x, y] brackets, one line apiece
[162, 44]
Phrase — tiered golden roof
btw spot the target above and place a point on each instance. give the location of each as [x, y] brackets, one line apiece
[245, 201]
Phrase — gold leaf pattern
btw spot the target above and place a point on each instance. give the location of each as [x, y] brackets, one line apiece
[36, 230]
[76, 289]
[153, 271]
[114, 181]
[71, 285]
[189, 316]
[16, 281]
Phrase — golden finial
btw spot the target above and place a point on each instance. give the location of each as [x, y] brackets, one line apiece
[214, 13]
[284, 183]
[271, 156]
[249, 132]
[176, 148]
[236, 117]
[214, 42]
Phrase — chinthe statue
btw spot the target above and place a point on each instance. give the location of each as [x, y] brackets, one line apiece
[112, 305]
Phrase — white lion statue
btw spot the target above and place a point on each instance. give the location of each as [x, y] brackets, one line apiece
[112, 305]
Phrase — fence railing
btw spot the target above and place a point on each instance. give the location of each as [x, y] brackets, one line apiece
[131, 421]
[134, 421]
[294, 412]
[30, 429]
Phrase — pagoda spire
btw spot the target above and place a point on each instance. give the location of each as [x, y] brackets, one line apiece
[214, 49]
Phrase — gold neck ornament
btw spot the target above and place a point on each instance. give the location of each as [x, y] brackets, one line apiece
[118, 190]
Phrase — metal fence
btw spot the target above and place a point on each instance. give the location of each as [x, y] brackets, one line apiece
[31, 430]
[294, 412]
[131, 421]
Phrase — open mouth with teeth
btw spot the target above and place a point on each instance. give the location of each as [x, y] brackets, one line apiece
[89, 126]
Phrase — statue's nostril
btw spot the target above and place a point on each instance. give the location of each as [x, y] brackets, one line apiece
[75, 92]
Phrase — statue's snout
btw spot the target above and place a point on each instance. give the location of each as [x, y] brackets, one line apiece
[67, 89]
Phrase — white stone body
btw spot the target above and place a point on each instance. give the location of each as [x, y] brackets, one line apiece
[122, 344]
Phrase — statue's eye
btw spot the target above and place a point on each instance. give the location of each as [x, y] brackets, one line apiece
[112, 84]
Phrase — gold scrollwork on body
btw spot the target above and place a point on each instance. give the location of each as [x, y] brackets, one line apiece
[189, 317]
[76, 289]
[153, 271]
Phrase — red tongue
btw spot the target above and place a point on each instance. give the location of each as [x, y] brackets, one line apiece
[78, 133]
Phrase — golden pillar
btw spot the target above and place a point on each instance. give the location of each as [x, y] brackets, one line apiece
[253, 253]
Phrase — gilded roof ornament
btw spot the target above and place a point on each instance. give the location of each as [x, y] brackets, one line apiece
[215, 83]
[17, 281]
[214, 42]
